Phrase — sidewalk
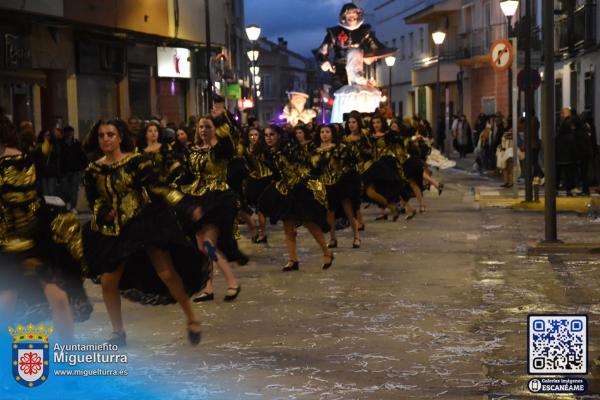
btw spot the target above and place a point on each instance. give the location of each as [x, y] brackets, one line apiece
[493, 195]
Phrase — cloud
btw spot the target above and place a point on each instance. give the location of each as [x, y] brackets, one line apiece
[301, 22]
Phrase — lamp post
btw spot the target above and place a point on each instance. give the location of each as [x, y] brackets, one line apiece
[509, 8]
[390, 61]
[438, 39]
[253, 33]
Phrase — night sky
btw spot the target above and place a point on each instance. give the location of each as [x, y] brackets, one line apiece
[301, 22]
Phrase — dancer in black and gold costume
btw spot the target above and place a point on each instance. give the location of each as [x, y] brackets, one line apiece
[210, 206]
[134, 244]
[391, 181]
[40, 248]
[335, 162]
[259, 178]
[295, 197]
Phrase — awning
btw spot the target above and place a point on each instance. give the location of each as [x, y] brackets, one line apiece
[433, 12]
[23, 76]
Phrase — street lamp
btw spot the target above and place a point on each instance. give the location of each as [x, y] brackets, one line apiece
[509, 8]
[390, 61]
[438, 38]
[253, 33]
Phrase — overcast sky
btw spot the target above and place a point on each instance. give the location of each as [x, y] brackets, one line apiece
[301, 22]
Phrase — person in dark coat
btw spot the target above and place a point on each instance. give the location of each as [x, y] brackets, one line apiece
[565, 152]
[73, 162]
[583, 152]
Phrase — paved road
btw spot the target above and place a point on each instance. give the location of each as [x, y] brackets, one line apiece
[432, 308]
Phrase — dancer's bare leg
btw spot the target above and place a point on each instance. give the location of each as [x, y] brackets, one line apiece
[62, 315]
[112, 297]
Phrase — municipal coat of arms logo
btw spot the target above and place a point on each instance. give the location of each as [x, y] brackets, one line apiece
[30, 354]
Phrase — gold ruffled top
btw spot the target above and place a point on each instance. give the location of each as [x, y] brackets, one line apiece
[332, 163]
[257, 161]
[168, 167]
[362, 148]
[289, 161]
[206, 167]
[122, 187]
[19, 203]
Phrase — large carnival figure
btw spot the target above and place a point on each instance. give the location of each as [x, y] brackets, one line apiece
[353, 44]
[296, 112]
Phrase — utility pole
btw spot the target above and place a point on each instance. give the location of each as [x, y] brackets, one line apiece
[528, 103]
[548, 125]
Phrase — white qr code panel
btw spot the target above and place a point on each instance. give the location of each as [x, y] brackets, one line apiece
[557, 344]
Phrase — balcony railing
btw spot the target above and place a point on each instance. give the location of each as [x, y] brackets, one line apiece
[477, 42]
[577, 30]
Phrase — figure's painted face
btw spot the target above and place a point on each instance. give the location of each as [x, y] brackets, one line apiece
[271, 137]
[253, 136]
[351, 18]
[298, 102]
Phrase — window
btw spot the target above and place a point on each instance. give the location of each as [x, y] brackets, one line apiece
[400, 109]
[265, 84]
[589, 91]
[410, 45]
[421, 41]
[402, 48]
[394, 42]
[574, 87]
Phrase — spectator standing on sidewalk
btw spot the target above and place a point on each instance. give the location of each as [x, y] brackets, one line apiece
[47, 160]
[72, 164]
[587, 118]
[565, 152]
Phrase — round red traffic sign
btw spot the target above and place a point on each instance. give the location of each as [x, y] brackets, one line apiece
[501, 55]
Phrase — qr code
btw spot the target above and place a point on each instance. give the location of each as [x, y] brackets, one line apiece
[557, 344]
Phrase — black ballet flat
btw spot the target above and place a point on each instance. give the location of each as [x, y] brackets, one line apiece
[118, 339]
[294, 266]
[440, 189]
[356, 244]
[332, 244]
[194, 337]
[204, 296]
[329, 264]
[411, 215]
[382, 217]
[242, 259]
[362, 227]
[232, 297]
[254, 238]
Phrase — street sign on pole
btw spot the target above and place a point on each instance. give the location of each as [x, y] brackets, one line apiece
[501, 55]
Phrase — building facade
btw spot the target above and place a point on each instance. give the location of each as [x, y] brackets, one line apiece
[72, 62]
[282, 71]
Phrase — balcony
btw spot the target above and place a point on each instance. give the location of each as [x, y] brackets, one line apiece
[477, 42]
[575, 30]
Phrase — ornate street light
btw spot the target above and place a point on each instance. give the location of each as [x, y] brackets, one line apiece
[438, 38]
[253, 33]
[390, 61]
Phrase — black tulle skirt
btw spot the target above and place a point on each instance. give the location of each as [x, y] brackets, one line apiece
[48, 261]
[413, 169]
[155, 226]
[385, 178]
[255, 188]
[301, 205]
[348, 187]
[237, 172]
[219, 209]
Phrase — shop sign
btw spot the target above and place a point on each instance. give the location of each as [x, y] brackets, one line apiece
[173, 62]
